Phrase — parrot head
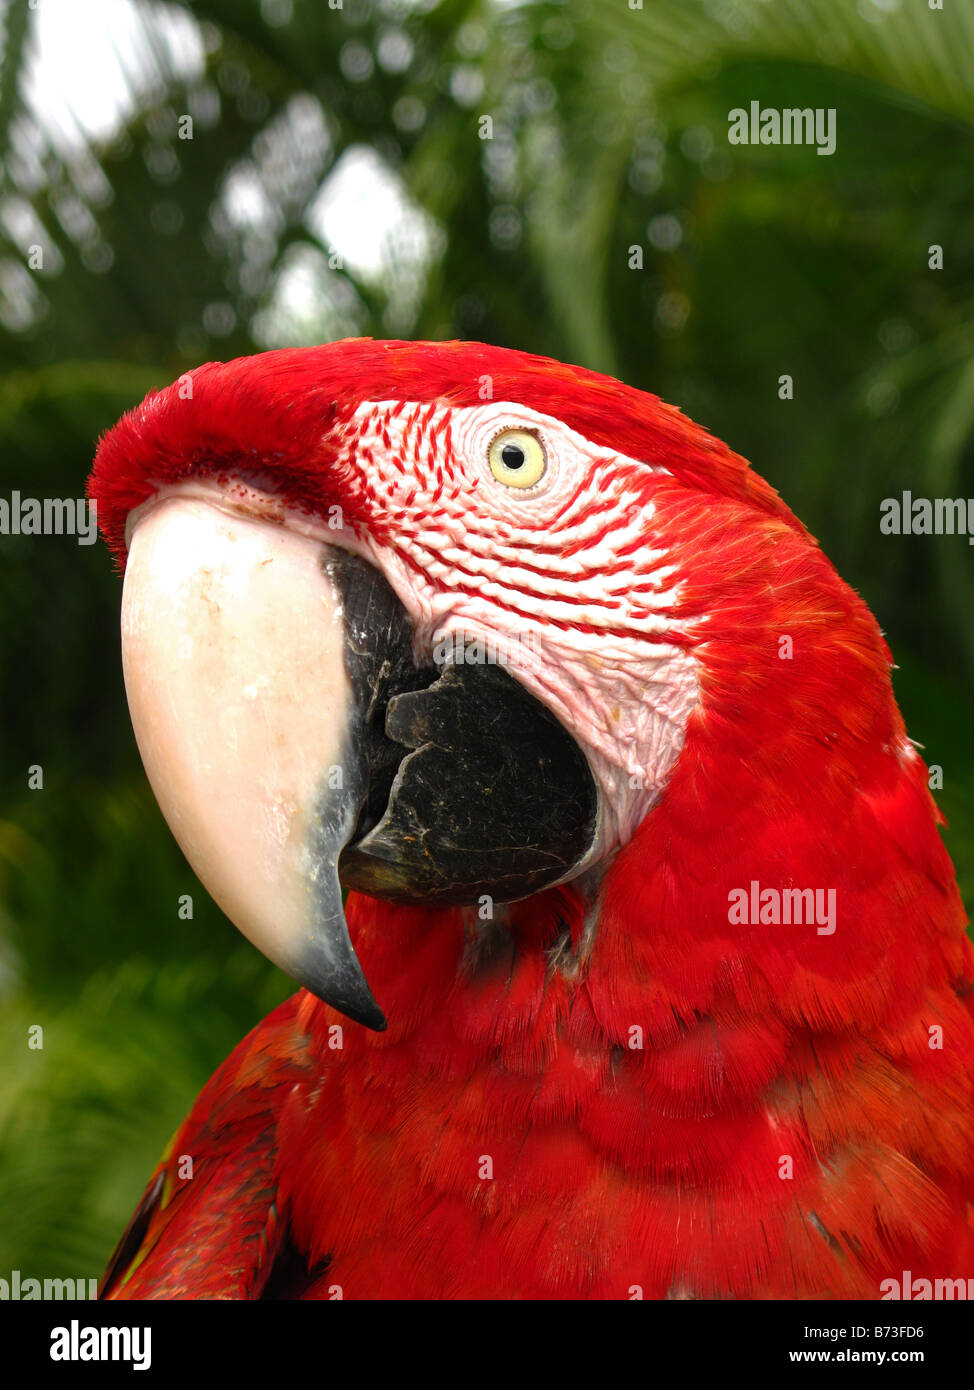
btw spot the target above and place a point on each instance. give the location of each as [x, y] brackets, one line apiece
[439, 622]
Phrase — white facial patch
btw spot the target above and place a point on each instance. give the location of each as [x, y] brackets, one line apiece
[557, 581]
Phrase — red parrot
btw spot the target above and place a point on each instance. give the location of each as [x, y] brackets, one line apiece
[653, 980]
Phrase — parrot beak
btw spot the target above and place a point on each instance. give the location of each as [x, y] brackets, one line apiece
[233, 653]
[293, 743]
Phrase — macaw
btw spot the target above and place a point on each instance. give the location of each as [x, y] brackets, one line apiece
[652, 979]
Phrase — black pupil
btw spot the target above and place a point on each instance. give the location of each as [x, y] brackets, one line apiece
[513, 456]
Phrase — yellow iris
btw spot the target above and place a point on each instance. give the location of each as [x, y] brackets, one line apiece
[517, 458]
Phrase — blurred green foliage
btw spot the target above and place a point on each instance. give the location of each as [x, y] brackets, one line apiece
[609, 131]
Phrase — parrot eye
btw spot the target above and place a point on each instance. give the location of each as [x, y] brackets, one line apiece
[517, 458]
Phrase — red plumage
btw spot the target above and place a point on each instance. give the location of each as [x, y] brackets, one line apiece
[615, 1167]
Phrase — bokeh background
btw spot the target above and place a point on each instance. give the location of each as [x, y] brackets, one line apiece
[336, 183]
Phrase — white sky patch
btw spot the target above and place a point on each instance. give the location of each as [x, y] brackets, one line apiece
[308, 305]
[362, 212]
[91, 64]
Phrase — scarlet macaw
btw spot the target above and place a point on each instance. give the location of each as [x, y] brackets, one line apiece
[656, 960]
